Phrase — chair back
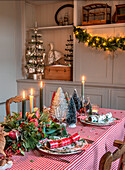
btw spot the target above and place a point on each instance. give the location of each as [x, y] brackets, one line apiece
[16, 99]
[108, 157]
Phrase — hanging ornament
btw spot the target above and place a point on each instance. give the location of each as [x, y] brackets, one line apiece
[38, 69]
[31, 70]
[30, 61]
[28, 53]
[42, 70]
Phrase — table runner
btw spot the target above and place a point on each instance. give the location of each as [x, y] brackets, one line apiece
[86, 160]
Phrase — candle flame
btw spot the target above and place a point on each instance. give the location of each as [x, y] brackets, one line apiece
[83, 78]
[41, 84]
[24, 95]
[31, 92]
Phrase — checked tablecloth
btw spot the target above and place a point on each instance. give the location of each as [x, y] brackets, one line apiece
[86, 160]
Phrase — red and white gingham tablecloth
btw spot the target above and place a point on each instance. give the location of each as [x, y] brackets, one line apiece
[86, 160]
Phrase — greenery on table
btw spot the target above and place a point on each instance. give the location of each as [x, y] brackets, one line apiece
[24, 134]
[110, 44]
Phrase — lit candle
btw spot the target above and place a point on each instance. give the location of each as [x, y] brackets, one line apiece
[24, 105]
[41, 96]
[83, 86]
[31, 100]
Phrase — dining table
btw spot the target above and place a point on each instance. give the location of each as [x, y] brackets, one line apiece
[101, 141]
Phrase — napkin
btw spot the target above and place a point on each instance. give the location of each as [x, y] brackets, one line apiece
[82, 117]
[116, 121]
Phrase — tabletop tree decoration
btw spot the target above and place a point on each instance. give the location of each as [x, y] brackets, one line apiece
[35, 56]
[53, 97]
[76, 100]
[71, 117]
[59, 102]
[69, 51]
[67, 97]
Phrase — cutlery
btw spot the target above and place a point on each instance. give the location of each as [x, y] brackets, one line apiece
[89, 140]
[37, 153]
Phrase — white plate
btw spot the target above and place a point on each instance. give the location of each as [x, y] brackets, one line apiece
[66, 150]
[101, 123]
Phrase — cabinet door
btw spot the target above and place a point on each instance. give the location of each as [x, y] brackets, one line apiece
[119, 58]
[118, 99]
[98, 96]
[119, 67]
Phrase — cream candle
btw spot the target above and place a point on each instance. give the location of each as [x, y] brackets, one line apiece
[41, 96]
[83, 87]
[31, 100]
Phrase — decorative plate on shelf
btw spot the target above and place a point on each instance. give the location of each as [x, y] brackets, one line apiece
[106, 122]
[65, 150]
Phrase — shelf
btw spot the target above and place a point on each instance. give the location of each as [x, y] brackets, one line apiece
[52, 27]
[113, 25]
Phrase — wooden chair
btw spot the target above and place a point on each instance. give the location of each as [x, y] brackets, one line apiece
[16, 99]
[108, 157]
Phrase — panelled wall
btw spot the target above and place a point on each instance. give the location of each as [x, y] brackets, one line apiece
[99, 65]
[106, 95]
[104, 71]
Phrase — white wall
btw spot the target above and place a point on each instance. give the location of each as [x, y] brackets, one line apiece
[10, 51]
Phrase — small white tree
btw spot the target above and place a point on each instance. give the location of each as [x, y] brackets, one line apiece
[59, 102]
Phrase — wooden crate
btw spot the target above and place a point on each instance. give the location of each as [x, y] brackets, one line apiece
[97, 13]
[58, 73]
[120, 13]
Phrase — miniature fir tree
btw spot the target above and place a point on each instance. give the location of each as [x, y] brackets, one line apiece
[76, 100]
[53, 97]
[35, 55]
[69, 52]
[90, 109]
[67, 97]
[71, 117]
[59, 102]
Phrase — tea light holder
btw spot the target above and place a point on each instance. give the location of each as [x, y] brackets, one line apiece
[95, 108]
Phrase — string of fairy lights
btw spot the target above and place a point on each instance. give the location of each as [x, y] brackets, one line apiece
[107, 44]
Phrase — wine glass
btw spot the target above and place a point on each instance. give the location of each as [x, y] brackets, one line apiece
[60, 114]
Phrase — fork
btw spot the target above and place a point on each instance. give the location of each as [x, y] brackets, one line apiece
[37, 153]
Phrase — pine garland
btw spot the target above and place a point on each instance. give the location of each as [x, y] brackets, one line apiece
[110, 44]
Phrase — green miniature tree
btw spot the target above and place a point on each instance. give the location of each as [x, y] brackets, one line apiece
[71, 117]
[76, 100]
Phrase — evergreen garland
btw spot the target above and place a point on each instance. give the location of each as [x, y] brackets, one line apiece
[111, 44]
